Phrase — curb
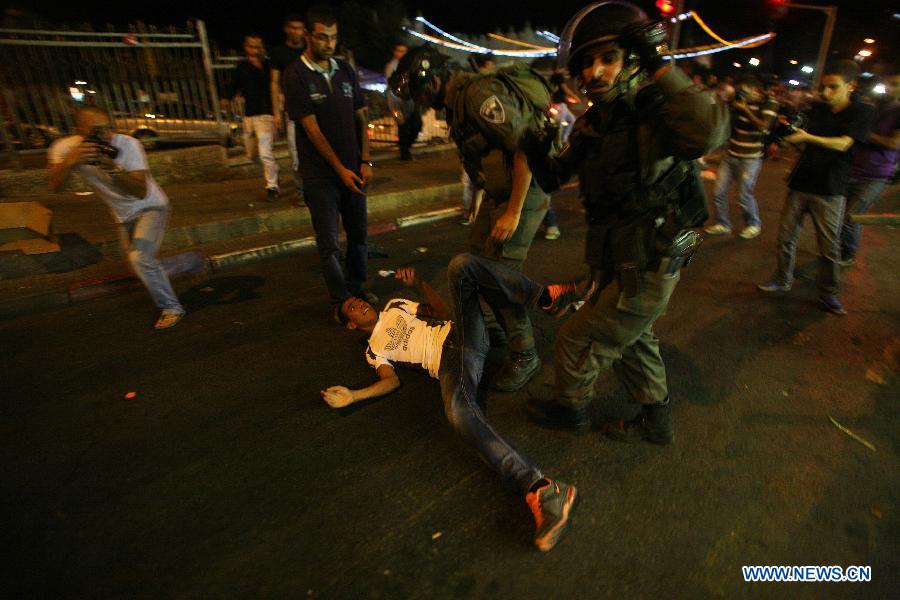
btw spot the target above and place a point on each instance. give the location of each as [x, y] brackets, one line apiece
[192, 262]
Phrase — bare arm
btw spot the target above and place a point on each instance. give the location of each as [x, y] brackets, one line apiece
[59, 172]
[133, 183]
[277, 97]
[434, 305]
[348, 177]
[840, 143]
[362, 130]
[338, 396]
[758, 123]
[506, 225]
[891, 142]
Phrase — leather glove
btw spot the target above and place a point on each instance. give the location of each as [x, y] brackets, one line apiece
[649, 41]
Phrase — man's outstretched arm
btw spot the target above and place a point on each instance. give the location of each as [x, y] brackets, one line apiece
[434, 306]
[337, 396]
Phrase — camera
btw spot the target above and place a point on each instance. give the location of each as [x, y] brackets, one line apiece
[104, 148]
[788, 126]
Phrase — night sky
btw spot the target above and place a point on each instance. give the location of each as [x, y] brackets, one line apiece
[799, 31]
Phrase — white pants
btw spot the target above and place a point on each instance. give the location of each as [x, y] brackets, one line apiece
[263, 128]
[292, 142]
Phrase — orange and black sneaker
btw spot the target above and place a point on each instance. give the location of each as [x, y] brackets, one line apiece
[552, 505]
[565, 296]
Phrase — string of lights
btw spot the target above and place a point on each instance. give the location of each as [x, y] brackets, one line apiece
[534, 50]
[712, 33]
[503, 38]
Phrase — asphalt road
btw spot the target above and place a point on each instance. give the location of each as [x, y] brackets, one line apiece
[227, 476]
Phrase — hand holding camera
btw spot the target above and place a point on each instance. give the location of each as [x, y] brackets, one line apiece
[100, 148]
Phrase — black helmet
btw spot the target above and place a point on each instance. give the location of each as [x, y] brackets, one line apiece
[595, 24]
[416, 69]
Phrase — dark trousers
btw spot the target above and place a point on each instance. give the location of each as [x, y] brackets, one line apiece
[464, 353]
[408, 131]
[328, 201]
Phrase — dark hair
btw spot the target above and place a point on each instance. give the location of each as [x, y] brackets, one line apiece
[342, 317]
[847, 69]
[320, 13]
[481, 59]
[751, 80]
[293, 18]
[252, 34]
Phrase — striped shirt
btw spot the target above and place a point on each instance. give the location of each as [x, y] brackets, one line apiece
[747, 140]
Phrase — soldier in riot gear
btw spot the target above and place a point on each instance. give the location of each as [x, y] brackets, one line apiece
[632, 151]
[493, 116]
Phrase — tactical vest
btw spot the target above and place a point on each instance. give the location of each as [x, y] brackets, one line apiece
[631, 220]
[525, 99]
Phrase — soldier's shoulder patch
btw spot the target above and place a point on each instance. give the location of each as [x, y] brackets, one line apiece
[492, 110]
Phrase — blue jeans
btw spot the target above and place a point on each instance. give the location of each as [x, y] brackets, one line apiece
[861, 194]
[745, 170]
[826, 213]
[141, 238]
[464, 353]
[329, 200]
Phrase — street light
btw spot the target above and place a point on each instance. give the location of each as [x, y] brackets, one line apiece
[794, 82]
[865, 53]
[869, 41]
[807, 69]
[737, 65]
[792, 61]
[754, 62]
[880, 89]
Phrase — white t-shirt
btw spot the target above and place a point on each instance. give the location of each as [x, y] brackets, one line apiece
[131, 158]
[402, 338]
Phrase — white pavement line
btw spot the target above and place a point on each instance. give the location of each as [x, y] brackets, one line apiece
[218, 261]
[426, 217]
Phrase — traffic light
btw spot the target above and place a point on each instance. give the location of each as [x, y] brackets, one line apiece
[777, 8]
[666, 7]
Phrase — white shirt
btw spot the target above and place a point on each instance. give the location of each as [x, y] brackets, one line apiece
[131, 158]
[400, 337]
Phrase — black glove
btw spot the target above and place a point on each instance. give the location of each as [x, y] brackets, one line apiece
[649, 41]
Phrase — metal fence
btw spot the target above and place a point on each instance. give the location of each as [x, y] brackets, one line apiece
[156, 85]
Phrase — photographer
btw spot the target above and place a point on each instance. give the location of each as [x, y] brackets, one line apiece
[754, 113]
[116, 167]
[818, 182]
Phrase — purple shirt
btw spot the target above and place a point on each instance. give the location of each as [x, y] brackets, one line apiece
[877, 162]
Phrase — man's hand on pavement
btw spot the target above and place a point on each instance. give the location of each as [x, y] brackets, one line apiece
[408, 276]
[337, 396]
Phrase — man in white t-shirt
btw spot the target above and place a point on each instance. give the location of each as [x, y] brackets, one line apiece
[116, 167]
[419, 335]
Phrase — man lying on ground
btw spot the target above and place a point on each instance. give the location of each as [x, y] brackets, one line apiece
[419, 335]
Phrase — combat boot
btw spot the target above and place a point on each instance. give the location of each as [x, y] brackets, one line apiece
[653, 424]
[553, 415]
[517, 371]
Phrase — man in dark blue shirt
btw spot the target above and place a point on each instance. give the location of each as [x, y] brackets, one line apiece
[323, 96]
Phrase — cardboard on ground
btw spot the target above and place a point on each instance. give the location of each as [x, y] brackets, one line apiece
[25, 227]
